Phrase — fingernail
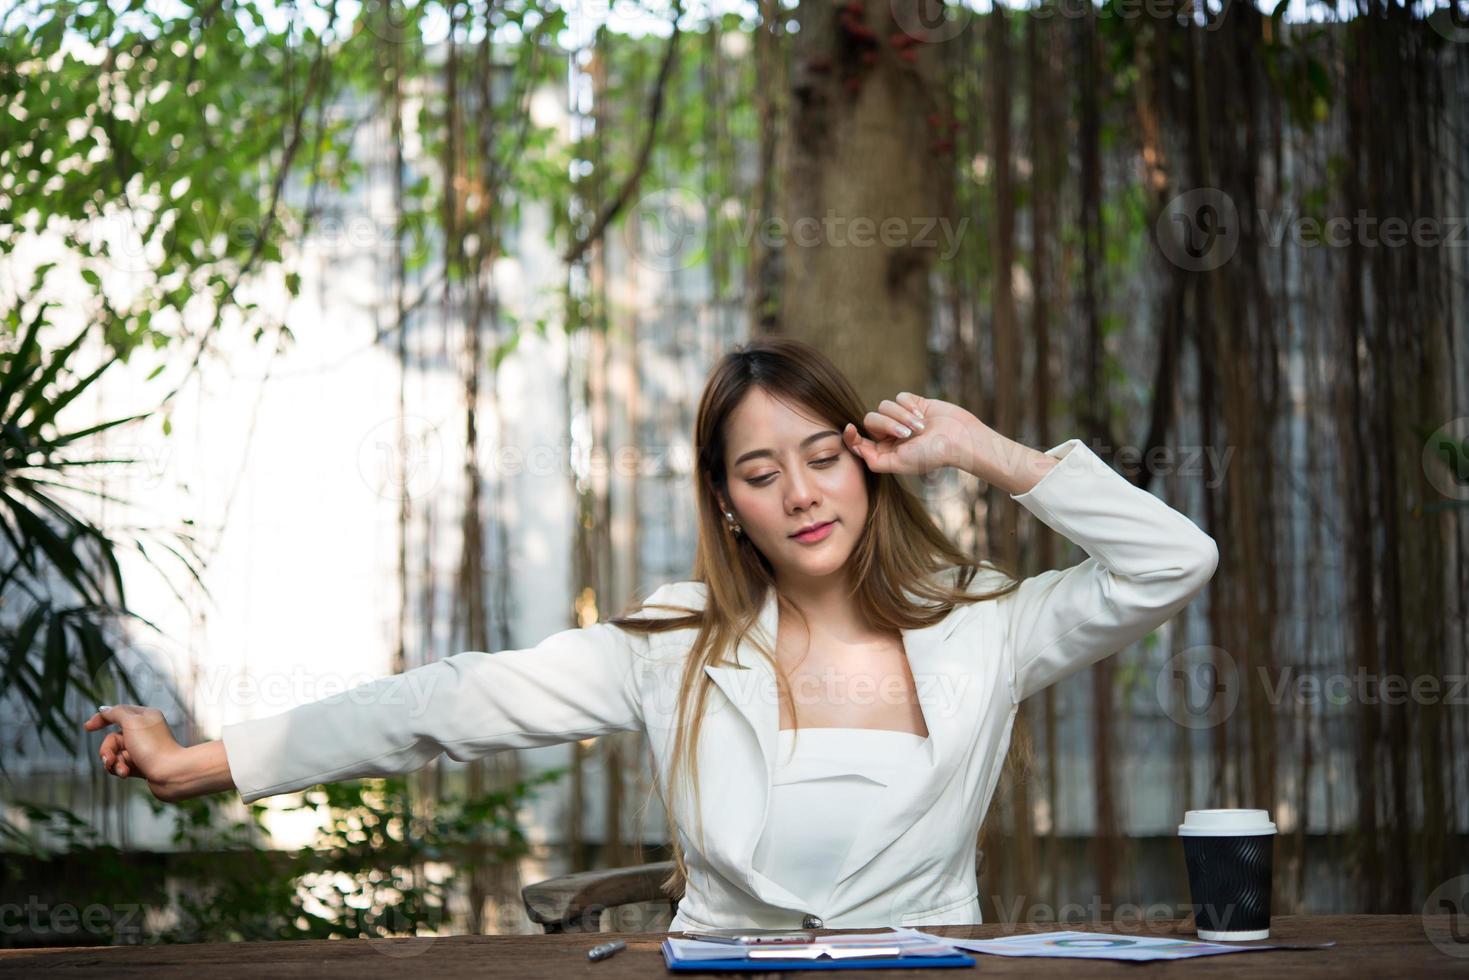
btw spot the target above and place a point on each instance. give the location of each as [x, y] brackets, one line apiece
[104, 707]
[904, 431]
[918, 422]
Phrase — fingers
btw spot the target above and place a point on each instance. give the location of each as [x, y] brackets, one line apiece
[872, 456]
[126, 716]
[907, 408]
[111, 751]
[852, 436]
[885, 424]
[865, 449]
[100, 719]
[119, 763]
[897, 418]
[917, 404]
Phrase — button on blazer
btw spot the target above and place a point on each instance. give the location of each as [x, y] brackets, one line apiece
[912, 859]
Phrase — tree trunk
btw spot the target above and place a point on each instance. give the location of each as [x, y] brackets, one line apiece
[862, 181]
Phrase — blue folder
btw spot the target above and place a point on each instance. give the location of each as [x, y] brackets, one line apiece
[736, 958]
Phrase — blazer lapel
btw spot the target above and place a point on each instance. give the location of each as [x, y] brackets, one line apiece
[750, 687]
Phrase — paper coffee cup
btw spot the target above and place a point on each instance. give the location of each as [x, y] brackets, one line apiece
[1230, 854]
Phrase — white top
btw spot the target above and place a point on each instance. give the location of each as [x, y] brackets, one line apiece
[818, 797]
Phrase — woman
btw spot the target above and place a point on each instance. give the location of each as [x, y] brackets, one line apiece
[824, 600]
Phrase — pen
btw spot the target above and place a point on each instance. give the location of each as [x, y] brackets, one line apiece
[605, 950]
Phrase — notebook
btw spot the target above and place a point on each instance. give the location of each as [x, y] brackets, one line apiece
[845, 951]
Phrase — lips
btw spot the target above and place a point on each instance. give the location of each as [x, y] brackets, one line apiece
[813, 529]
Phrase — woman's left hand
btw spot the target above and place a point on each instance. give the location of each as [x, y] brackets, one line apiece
[913, 435]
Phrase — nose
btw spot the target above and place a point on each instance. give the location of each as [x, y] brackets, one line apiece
[800, 493]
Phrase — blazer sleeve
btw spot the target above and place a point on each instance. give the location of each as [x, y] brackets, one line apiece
[576, 683]
[1146, 561]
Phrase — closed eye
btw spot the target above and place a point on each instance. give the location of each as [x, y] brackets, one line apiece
[764, 480]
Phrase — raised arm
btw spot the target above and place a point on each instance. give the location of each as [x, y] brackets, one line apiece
[1146, 561]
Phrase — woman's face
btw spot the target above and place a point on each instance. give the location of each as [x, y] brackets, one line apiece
[787, 471]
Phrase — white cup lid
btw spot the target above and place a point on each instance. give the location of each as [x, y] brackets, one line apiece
[1226, 823]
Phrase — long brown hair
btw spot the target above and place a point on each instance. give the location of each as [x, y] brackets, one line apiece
[900, 549]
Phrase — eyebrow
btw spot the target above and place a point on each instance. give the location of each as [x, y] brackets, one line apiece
[752, 454]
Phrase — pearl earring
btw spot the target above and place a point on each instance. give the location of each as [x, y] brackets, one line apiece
[734, 525]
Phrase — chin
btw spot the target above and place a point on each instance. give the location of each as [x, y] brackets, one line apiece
[827, 565]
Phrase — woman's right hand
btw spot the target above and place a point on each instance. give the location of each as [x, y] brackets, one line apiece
[145, 747]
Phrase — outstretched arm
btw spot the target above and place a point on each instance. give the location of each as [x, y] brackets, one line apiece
[574, 684]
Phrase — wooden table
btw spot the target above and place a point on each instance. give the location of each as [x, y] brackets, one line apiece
[1367, 946]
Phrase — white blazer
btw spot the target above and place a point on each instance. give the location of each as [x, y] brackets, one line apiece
[912, 861]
